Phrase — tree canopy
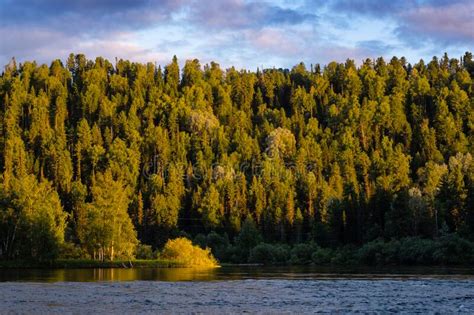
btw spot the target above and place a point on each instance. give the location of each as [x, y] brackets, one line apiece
[106, 155]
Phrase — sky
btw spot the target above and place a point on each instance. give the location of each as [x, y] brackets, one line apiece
[241, 33]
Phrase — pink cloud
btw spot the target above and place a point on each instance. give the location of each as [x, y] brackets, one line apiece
[275, 40]
[447, 23]
[46, 45]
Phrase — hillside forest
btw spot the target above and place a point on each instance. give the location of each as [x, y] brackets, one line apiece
[102, 160]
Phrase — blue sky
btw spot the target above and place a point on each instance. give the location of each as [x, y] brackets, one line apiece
[244, 33]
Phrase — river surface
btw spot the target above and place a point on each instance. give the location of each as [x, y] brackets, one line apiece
[229, 290]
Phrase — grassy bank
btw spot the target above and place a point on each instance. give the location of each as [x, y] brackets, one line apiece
[447, 250]
[179, 252]
[88, 263]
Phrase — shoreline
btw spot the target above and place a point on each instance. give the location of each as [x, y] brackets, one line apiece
[158, 263]
[89, 264]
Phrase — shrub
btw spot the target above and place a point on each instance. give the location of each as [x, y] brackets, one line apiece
[344, 256]
[301, 254]
[452, 249]
[281, 254]
[200, 240]
[449, 249]
[415, 250]
[234, 255]
[379, 252]
[391, 252]
[182, 251]
[218, 245]
[144, 252]
[262, 253]
[322, 256]
[68, 250]
[270, 254]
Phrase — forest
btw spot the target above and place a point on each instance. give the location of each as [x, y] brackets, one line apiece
[109, 160]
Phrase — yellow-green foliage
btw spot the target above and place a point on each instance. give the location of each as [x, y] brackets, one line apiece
[182, 251]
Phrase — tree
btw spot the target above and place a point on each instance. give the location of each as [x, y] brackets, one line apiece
[192, 73]
[431, 177]
[32, 220]
[248, 237]
[281, 143]
[211, 208]
[108, 229]
[172, 77]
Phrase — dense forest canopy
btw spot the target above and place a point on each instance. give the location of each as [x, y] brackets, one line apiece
[103, 156]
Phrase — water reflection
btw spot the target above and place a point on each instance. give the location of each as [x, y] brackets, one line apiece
[110, 274]
[231, 273]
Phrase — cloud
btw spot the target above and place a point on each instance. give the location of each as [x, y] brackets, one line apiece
[383, 8]
[368, 7]
[62, 26]
[126, 49]
[444, 22]
[87, 16]
[447, 24]
[45, 45]
[375, 47]
[239, 14]
[245, 33]
[98, 15]
[276, 41]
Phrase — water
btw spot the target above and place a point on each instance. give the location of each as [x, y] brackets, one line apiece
[238, 290]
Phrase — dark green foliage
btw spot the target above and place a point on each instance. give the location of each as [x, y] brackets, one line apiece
[340, 156]
[262, 253]
[301, 254]
[448, 249]
[248, 238]
[71, 251]
[416, 251]
[322, 256]
[378, 252]
[266, 254]
[453, 249]
[144, 252]
[218, 245]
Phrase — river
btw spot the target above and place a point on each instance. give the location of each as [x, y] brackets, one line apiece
[238, 290]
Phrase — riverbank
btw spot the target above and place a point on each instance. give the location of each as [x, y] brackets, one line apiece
[160, 263]
[89, 263]
[448, 250]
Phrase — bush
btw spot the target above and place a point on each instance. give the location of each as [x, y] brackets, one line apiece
[218, 245]
[379, 252]
[262, 253]
[69, 250]
[371, 253]
[322, 256]
[449, 249]
[281, 254]
[236, 255]
[415, 250]
[182, 251]
[270, 254]
[144, 252]
[301, 254]
[344, 256]
[452, 249]
[200, 240]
